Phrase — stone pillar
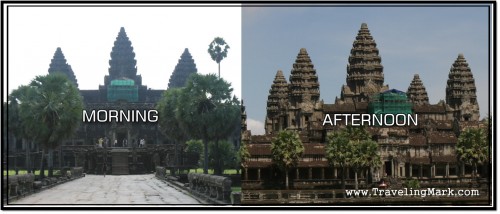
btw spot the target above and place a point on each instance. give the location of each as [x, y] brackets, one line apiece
[310, 173]
[258, 174]
[297, 173]
[335, 172]
[246, 173]
[447, 170]
[433, 170]
[322, 173]
[411, 170]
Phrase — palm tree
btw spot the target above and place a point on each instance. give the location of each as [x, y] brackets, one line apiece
[216, 52]
[339, 151]
[207, 111]
[286, 149]
[50, 111]
[472, 148]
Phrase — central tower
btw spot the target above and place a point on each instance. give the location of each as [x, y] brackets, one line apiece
[365, 75]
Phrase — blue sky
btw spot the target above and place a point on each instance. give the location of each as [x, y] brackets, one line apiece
[411, 40]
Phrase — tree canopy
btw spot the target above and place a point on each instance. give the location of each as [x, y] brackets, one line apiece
[286, 150]
[49, 110]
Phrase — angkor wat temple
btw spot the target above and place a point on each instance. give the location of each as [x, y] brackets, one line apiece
[425, 152]
[126, 148]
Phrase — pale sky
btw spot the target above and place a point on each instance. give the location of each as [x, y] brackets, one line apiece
[86, 36]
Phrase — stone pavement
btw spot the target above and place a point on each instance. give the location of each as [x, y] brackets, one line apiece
[112, 189]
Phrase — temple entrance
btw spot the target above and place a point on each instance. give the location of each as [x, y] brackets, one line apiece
[388, 168]
[120, 137]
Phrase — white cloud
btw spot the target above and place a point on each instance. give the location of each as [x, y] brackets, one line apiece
[257, 127]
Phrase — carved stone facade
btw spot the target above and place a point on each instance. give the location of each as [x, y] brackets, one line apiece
[416, 92]
[425, 151]
[365, 73]
[461, 91]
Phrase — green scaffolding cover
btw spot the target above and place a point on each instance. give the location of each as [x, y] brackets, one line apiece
[390, 102]
[123, 89]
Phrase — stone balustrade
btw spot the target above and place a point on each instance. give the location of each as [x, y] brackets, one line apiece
[211, 186]
[160, 172]
[20, 185]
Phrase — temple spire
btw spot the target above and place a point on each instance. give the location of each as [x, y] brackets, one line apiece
[365, 75]
[123, 63]
[184, 68]
[304, 85]
[416, 92]
[59, 64]
[461, 91]
[277, 101]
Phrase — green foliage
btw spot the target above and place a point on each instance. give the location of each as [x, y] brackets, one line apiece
[412, 183]
[352, 147]
[472, 146]
[215, 49]
[286, 149]
[243, 154]
[49, 110]
[195, 146]
[222, 155]
[204, 109]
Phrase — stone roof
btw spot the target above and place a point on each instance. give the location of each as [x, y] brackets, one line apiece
[444, 159]
[417, 139]
[416, 92]
[436, 108]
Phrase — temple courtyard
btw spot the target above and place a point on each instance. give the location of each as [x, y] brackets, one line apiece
[110, 190]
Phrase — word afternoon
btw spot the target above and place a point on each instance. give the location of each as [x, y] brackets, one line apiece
[372, 119]
[104, 116]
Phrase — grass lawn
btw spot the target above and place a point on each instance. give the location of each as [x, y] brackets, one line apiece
[235, 189]
[22, 172]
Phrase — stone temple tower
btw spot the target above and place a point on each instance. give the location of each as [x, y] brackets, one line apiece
[416, 92]
[303, 92]
[365, 75]
[461, 91]
[184, 68]
[122, 64]
[59, 64]
[277, 102]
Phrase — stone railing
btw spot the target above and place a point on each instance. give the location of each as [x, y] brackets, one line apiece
[160, 172]
[212, 187]
[21, 185]
[77, 172]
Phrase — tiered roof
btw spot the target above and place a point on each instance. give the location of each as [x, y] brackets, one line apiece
[416, 92]
[122, 63]
[59, 64]
[304, 83]
[460, 86]
[184, 68]
[364, 62]
[278, 94]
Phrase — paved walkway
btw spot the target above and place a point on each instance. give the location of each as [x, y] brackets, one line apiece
[112, 189]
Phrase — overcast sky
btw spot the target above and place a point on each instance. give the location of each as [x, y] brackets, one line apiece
[86, 36]
[423, 40]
